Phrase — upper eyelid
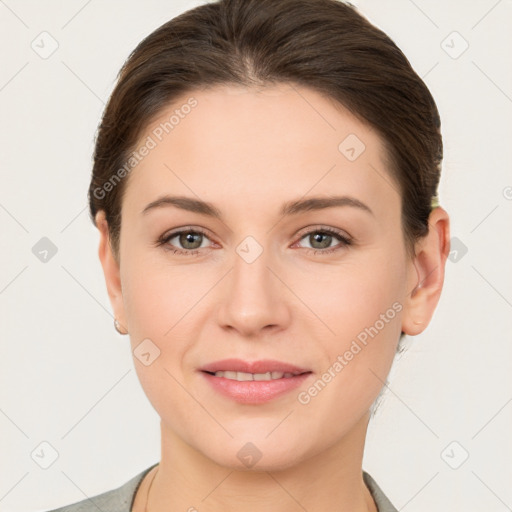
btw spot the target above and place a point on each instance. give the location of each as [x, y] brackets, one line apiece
[179, 231]
[314, 229]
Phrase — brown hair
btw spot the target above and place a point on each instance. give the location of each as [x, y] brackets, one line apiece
[325, 45]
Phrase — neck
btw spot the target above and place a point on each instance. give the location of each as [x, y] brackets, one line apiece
[187, 480]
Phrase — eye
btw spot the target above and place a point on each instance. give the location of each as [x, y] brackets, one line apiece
[189, 239]
[187, 242]
[321, 239]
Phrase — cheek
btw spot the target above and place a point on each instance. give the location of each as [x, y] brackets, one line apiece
[356, 364]
[351, 298]
[362, 307]
[159, 297]
[159, 302]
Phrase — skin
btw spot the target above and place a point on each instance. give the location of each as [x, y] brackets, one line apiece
[248, 151]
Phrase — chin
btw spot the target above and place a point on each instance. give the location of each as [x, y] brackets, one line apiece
[257, 455]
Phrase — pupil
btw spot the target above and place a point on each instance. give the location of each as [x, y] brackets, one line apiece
[188, 238]
[326, 237]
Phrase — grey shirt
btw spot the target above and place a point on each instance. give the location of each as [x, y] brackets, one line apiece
[121, 499]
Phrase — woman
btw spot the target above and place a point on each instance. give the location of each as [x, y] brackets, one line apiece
[264, 184]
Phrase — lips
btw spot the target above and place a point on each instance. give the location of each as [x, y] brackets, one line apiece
[253, 382]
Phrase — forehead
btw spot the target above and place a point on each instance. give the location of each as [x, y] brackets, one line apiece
[226, 141]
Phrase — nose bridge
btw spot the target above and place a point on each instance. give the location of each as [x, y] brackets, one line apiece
[255, 297]
[250, 267]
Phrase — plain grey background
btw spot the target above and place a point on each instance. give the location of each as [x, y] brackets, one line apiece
[441, 436]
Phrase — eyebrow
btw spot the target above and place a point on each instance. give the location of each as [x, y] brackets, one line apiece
[289, 208]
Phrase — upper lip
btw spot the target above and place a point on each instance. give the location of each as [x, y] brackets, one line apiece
[261, 366]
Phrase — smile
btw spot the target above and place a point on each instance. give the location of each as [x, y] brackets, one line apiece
[254, 382]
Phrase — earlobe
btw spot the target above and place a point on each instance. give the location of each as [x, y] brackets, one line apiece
[426, 274]
[111, 270]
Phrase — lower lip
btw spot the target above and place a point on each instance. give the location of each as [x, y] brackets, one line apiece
[254, 391]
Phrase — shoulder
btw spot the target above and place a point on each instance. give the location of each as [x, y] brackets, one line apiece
[116, 500]
[381, 500]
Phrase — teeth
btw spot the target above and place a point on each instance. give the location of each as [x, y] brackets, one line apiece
[262, 376]
[243, 376]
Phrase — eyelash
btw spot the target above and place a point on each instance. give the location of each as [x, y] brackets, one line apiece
[345, 241]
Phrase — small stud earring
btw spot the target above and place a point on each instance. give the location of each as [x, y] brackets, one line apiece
[117, 325]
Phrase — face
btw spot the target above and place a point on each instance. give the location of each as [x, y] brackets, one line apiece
[277, 275]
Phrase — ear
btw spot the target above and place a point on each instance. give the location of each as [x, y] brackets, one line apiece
[426, 274]
[111, 270]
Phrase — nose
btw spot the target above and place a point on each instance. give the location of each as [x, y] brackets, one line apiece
[255, 300]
